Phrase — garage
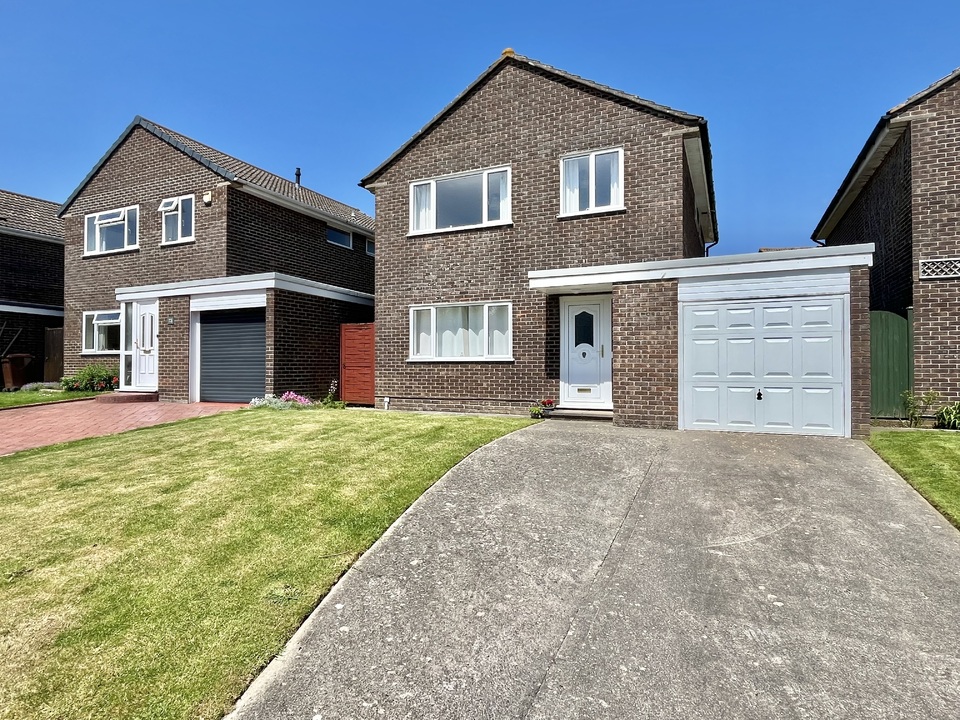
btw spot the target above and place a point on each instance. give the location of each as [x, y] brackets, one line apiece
[774, 366]
[233, 353]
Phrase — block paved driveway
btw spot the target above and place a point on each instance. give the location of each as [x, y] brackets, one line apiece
[576, 570]
[31, 427]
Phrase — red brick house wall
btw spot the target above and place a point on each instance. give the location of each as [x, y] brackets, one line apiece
[526, 119]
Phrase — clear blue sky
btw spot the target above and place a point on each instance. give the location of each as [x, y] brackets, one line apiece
[791, 90]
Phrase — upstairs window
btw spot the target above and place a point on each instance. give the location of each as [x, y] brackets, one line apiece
[466, 200]
[101, 331]
[591, 182]
[339, 237]
[371, 247]
[478, 331]
[111, 231]
[177, 219]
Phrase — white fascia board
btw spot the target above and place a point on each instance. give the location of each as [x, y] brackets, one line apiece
[303, 209]
[701, 186]
[4, 230]
[244, 284]
[603, 277]
[27, 310]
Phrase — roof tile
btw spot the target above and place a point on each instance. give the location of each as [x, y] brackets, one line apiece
[21, 212]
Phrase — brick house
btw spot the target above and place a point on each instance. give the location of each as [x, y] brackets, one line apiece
[31, 277]
[545, 236]
[902, 195]
[205, 278]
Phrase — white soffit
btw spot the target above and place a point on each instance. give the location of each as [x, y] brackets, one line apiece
[603, 277]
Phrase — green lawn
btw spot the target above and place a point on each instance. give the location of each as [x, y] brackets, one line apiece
[152, 574]
[11, 399]
[929, 460]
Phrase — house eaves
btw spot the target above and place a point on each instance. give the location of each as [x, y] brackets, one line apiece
[885, 135]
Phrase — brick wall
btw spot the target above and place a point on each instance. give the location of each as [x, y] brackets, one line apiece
[303, 341]
[527, 120]
[860, 351]
[268, 238]
[881, 214]
[31, 271]
[173, 349]
[142, 171]
[30, 340]
[936, 234]
[645, 361]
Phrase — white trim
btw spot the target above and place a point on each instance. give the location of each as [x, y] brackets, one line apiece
[597, 211]
[785, 284]
[605, 322]
[193, 380]
[6, 230]
[245, 283]
[23, 310]
[603, 277]
[290, 204]
[122, 220]
[83, 330]
[371, 241]
[486, 357]
[229, 301]
[506, 214]
[177, 208]
[591, 156]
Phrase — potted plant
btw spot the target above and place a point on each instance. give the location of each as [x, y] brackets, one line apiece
[542, 409]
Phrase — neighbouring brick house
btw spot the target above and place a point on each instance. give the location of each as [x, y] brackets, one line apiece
[31, 277]
[545, 236]
[903, 194]
[205, 278]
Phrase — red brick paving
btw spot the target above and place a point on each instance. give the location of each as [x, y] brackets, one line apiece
[31, 427]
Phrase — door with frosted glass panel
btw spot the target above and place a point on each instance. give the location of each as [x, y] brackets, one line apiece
[586, 366]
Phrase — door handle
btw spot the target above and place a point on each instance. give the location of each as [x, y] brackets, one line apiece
[601, 349]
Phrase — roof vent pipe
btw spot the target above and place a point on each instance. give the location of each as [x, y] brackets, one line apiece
[297, 176]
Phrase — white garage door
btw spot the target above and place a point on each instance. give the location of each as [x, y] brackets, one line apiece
[774, 366]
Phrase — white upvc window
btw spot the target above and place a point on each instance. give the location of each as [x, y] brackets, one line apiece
[101, 332]
[371, 247]
[591, 182]
[111, 231]
[462, 331]
[177, 220]
[339, 237]
[465, 200]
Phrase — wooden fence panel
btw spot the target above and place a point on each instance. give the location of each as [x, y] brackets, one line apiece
[891, 362]
[53, 354]
[357, 363]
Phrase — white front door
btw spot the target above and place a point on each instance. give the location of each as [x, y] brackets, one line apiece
[586, 367]
[775, 366]
[140, 330]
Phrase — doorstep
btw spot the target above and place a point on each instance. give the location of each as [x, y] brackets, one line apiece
[578, 414]
[128, 397]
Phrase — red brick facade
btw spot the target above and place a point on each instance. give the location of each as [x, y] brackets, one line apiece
[522, 117]
[910, 209]
[236, 234]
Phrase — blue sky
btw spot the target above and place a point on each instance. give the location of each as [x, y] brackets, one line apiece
[790, 90]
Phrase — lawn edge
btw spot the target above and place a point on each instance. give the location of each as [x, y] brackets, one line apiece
[48, 402]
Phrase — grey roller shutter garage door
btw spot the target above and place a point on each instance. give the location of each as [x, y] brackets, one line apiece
[233, 350]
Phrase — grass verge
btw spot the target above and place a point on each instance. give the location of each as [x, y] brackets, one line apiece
[152, 574]
[12, 399]
[929, 460]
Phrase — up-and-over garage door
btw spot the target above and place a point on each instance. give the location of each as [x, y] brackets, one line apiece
[232, 355]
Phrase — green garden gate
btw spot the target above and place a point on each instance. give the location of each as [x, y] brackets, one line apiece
[891, 361]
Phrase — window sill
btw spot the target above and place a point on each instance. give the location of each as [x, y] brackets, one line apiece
[188, 241]
[588, 213]
[462, 228]
[136, 248]
[460, 360]
[84, 353]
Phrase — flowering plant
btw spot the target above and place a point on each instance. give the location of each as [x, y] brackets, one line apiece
[292, 397]
[547, 404]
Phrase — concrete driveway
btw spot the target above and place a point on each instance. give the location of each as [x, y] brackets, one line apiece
[575, 570]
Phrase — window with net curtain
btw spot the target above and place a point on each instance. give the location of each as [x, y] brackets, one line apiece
[466, 200]
[591, 182]
[479, 331]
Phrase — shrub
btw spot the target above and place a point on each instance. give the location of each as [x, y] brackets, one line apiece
[96, 377]
[292, 397]
[948, 417]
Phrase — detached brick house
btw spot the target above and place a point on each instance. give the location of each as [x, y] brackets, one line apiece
[31, 276]
[545, 236]
[206, 278]
[903, 194]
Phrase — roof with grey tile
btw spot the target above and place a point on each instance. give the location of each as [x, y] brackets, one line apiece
[29, 214]
[510, 57]
[235, 170]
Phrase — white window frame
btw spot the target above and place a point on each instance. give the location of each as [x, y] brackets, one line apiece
[348, 233]
[173, 206]
[99, 222]
[83, 331]
[486, 357]
[592, 209]
[371, 247]
[505, 214]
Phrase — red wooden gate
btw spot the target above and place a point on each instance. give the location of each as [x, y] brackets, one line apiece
[356, 363]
